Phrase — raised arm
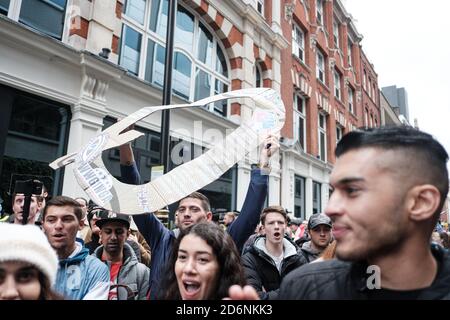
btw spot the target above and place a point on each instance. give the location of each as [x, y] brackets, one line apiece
[244, 226]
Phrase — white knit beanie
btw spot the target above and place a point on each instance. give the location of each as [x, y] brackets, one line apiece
[29, 244]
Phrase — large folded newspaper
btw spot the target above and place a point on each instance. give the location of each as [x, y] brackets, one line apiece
[108, 192]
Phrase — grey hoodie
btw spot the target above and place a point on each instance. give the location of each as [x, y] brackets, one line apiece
[132, 274]
[309, 253]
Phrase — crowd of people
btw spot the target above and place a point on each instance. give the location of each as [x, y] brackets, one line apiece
[388, 187]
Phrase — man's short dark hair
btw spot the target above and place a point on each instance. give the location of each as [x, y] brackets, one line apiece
[62, 201]
[276, 209]
[200, 196]
[426, 153]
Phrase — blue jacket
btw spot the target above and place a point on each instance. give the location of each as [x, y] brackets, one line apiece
[161, 239]
[82, 277]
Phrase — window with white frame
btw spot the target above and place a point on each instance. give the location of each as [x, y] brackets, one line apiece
[260, 6]
[298, 42]
[300, 119]
[351, 107]
[320, 66]
[366, 118]
[319, 11]
[349, 52]
[200, 67]
[374, 92]
[336, 34]
[337, 84]
[46, 16]
[339, 132]
[322, 137]
[364, 80]
[370, 87]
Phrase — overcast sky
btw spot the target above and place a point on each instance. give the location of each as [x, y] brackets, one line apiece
[408, 41]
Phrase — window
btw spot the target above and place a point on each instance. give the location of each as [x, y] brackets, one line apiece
[349, 52]
[371, 120]
[376, 122]
[131, 50]
[298, 42]
[366, 118]
[319, 11]
[46, 16]
[260, 6]
[374, 91]
[370, 88]
[135, 9]
[300, 119]
[337, 84]
[258, 76]
[339, 131]
[317, 197]
[299, 198]
[322, 137]
[320, 66]
[336, 34]
[199, 63]
[364, 80]
[350, 100]
[4, 7]
[34, 134]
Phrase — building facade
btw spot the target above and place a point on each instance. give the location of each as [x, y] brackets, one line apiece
[398, 98]
[70, 68]
[329, 88]
[389, 114]
[59, 91]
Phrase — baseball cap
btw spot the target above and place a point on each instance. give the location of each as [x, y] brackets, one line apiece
[318, 219]
[114, 217]
[296, 221]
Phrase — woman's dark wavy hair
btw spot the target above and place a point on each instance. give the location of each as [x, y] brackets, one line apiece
[230, 268]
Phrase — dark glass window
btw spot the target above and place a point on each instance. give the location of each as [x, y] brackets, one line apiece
[299, 197]
[46, 16]
[34, 135]
[317, 197]
[4, 6]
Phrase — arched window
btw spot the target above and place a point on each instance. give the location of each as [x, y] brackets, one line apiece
[200, 67]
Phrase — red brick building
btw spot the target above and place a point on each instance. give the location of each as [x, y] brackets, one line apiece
[329, 87]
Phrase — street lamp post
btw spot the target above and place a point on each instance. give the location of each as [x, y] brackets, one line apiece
[167, 88]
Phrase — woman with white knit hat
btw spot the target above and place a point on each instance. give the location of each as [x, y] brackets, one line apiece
[28, 264]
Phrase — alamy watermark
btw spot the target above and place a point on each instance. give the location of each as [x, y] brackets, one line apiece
[374, 279]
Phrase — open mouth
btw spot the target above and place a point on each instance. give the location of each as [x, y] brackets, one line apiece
[58, 236]
[277, 235]
[192, 288]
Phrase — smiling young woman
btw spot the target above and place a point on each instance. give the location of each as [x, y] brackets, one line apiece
[203, 265]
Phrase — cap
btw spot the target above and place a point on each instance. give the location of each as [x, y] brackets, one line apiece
[318, 219]
[114, 217]
[28, 243]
